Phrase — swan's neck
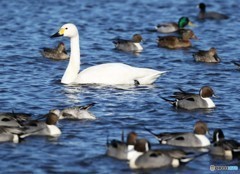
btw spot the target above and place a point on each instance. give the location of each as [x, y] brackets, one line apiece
[73, 67]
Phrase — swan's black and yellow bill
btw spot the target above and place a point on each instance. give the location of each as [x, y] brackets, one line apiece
[59, 33]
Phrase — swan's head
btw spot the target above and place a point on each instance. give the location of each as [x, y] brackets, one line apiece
[67, 30]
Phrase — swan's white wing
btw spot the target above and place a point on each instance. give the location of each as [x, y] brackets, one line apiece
[117, 74]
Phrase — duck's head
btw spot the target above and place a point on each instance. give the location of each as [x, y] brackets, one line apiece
[187, 34]
[137, 38]
[142, 145]
[61, 47]
[206, 92]
[131, 138]
[52, 119]
[184, 21]
[200, 128]
[202, 7]
[212, 51]
[67, 30]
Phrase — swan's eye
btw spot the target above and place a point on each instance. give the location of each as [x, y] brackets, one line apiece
[66, 28]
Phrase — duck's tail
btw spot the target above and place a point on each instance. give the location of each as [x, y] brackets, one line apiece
[88, 106]
[172, 102]
[150, 131]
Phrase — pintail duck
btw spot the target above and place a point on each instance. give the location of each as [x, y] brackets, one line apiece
[58, 53]
[77, 112]
[104, 74]
[174, 42]
[191, 101]
[43, 128]
[10, 134]
[197, 138]
[203, 14]
[11, 119]
[119, 149]
[143, 157]
[129, 45]
[173, 26]
[209, 56]
[224, 147]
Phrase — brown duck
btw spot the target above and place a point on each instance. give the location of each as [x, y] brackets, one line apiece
[58, 53]
[209, 56]
[174, 42]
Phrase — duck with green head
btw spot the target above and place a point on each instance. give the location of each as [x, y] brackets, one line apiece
[174, 42]
[173, 26]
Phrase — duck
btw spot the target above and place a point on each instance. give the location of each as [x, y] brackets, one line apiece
[190, 101]
[209, 56]
[227, 148]
[173, 26]
[203, 14]
[42, 128]
[142, 157]
[175, 42]
[197, 138]
[58, 53]
[129, 45]
[12, 119]
[10, 134]
[76, 112]
[103, 74]
[119, 149]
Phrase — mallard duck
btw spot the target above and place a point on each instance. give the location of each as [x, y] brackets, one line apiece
[209, 15]
[103, 74]
[173, 42]
[173, 26]
[129, 45]
[58, 53]
[209, 56]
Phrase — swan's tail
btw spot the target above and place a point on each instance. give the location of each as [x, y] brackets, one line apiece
[151, 78]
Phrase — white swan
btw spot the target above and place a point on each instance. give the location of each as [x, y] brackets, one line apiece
[105, 74]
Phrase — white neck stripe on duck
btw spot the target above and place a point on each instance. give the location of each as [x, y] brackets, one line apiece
[209, 102]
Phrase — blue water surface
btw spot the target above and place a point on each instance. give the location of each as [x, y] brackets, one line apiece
[30, 83]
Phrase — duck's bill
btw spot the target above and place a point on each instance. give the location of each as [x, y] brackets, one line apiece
[195, 37]
[56, 35]
[191, 24]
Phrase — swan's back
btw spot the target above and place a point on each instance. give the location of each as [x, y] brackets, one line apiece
[117, 74]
